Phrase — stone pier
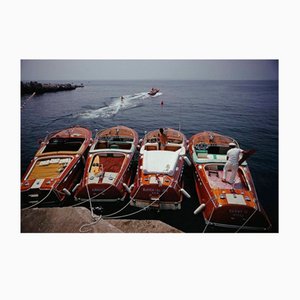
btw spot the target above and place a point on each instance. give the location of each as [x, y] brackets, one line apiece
[71, 219]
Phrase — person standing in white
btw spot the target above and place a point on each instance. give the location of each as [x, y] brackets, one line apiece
[233, 157]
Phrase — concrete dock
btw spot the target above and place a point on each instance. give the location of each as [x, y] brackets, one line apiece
[72, 219]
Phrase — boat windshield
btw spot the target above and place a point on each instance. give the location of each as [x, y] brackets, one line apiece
[217, 150]
[211, 149]
[63, 144]
[116, 138]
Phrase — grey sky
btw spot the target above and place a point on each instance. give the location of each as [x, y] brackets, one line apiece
[149, 69]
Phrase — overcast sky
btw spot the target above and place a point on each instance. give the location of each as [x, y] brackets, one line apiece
[149, 69]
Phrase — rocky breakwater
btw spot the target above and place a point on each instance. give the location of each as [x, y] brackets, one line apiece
[41, 88]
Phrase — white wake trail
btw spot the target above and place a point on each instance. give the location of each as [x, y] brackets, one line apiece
[117, 105]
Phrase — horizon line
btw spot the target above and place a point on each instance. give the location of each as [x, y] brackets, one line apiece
[152, 79]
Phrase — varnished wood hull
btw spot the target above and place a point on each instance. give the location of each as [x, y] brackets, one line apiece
[230, 215]
[156, 188]
[105, 192]
[56, 168]
[53, 194]
[159, 196]
[108, 168]
[232, 206]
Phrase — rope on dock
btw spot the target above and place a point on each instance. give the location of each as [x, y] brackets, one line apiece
[91, 205]
[103, 217]
[96, 220]
[144, 208]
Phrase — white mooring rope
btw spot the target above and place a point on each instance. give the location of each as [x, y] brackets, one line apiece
[101, 217]
[35, 204]
[246, 221]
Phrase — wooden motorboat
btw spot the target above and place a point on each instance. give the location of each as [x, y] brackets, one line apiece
[227, 205]
[158, 181]
[153, 92]
[107, 172]
[56, 167]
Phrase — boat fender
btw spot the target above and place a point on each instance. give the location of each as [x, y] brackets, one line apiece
[199, 209]
[185, 193]
[126, 187]
[66, 192]
[75, 187]
[187, 161]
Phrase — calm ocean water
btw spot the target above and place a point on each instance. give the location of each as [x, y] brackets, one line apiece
[244, 110]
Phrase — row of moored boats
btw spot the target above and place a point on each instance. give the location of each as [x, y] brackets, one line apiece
[70, 164]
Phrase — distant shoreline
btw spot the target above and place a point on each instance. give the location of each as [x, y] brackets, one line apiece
[28, 88]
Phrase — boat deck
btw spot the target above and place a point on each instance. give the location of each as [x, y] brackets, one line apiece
[50, 168]
[215, 180]
[109, 164]
[105, 169]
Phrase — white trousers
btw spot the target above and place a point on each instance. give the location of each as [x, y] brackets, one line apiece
[234, 168]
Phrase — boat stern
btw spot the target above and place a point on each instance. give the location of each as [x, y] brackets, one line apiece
[238, 217]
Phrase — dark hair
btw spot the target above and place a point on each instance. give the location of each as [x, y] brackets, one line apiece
[161, 130]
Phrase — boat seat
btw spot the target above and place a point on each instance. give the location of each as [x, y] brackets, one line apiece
[101, 145]
[125, 146]
[151, 146]
[202, 154]
[172, 148]
[213, 172]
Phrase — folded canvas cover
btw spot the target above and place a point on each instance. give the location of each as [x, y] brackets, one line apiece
[160, 162]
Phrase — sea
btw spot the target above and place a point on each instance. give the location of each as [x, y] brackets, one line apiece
[244, 110]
